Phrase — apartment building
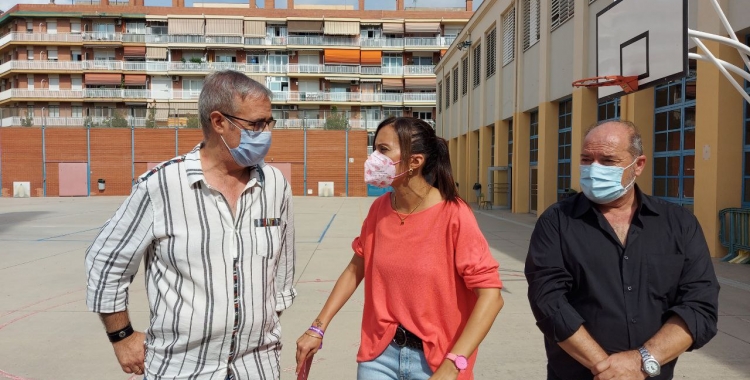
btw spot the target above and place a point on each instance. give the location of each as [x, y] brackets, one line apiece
[120, 63]
[514, 121]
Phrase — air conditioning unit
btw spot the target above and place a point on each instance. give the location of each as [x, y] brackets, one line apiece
[175, 78]
[118, 22]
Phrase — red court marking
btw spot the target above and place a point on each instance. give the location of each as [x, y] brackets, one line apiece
[42, 301]
[133, 377]
[34, 313]
[10, 376]
[315, 280]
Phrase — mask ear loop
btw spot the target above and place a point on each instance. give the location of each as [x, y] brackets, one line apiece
[629, 186]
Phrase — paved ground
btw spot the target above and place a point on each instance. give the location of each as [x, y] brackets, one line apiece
[46, 331]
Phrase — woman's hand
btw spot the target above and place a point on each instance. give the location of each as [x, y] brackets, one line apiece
[446, 371]
[307, 345]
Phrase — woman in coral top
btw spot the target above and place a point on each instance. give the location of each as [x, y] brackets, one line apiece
[432, 288]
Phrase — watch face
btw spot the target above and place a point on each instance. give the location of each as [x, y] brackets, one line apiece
[461, 363]
[651, 367]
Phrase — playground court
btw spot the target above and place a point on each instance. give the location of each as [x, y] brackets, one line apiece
[46, 331]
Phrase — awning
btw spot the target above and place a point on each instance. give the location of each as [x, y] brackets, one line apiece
[393, 28]
[442, 52]
[422, 27]
[184, 26]
[341, 28]
[420, 83]
[341, 56]
[377, 80]
[255, 28]
[223, 27]
[393, 84]
[134, 51]
[135, 79]
[305, 26]
[156, 52]
[102, 79]
[371, 57]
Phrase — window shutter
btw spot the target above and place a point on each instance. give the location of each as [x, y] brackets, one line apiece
[509, 36]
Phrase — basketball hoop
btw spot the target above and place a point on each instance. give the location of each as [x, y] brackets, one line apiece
[628, 84]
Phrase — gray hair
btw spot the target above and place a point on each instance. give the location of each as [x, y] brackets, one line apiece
[636, 142]
[220, 89]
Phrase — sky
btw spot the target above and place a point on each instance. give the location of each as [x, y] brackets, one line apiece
[369, 4]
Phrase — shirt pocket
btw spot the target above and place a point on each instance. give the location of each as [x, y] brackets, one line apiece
[664, 271]
[267, 237]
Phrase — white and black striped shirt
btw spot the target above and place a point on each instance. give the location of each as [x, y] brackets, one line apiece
[190, 241]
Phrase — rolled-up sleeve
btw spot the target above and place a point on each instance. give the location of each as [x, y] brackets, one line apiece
[549, 281]
[474, 262]
[113, 259]
[697, 301]
[285, 292]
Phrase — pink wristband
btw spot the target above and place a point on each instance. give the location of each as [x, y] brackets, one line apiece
[320, 332]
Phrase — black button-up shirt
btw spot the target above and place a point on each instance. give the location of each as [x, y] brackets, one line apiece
[580, 274]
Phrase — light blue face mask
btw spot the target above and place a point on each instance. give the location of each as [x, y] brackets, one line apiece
[603, 184]
[252, 149]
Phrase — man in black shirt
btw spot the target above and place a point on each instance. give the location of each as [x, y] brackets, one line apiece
[620, 283]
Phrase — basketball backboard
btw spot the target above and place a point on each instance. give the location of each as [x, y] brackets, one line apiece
[643, 38]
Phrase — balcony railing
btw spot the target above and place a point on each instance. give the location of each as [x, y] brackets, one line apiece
[45, 93]
[15, 121]
[418, 42]
[356, 97]
[420, 97]
[419, 70]
[116, 93]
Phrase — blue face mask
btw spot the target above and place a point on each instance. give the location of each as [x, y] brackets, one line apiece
[252, 149]
[603, 184]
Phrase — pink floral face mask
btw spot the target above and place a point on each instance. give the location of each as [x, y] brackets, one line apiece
[380, 170]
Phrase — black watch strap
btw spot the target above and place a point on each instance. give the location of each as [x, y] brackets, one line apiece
[119, 335]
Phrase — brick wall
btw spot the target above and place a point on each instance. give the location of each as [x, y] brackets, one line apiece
[112, 160]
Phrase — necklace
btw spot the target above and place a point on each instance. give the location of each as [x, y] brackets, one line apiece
[403, 218]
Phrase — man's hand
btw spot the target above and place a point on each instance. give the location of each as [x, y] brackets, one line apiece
[620, 366]
[446, 371]
[131, 353]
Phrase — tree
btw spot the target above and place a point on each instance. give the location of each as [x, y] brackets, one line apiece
[193, 121]
[27, 121]
[151, 118]
[336, 120]
[118, 120]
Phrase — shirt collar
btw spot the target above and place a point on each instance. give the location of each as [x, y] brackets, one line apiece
[194, 170]
[645, 204]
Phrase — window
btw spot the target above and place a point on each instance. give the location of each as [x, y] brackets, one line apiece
[76, 111]
[447, 91]
[226, 58]
[135, 27]
[29, 27]
[674, 141]
[29, 81]
[609, 110]
[370, 32]
[564, 138]
[421, 61]
[562, 11]
[75, 27]
[509, 36]
[440, 97]
[492, 146]
[424, 115]
[464, 75]
[530, 23]
[510, 142]
[477, 64]
[256, 58]
[278, 84]
[30, 54]
[534, 138]
[54, 111]
[52, 54]
[491, 56]
[455, 84]
[30, 111]
[75, 55]
[392, 60]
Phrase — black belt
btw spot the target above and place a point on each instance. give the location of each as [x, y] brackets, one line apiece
[405, 338]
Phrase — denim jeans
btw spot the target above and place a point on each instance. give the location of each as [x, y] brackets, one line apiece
[396, 363]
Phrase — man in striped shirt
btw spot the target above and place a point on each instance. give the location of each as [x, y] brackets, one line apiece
[215, 230]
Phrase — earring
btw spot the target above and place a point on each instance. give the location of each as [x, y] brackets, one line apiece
[411, 172]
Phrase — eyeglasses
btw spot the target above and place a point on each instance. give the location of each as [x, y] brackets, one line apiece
[255, 126]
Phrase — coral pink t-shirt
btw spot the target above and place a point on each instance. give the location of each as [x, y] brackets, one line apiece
[421, 275]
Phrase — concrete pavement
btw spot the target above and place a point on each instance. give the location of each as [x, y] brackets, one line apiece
[46, 332]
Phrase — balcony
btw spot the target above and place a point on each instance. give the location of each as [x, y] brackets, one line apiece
[45, 93]
[381, 42]
[101, 37]
[427, 42]
[134, 38]
[322, 69]
[322, 40]
[224, 40]
[40, 37]
[116, 93]
[15, 121]
[419, 70]
[354, 97]
[420, 97]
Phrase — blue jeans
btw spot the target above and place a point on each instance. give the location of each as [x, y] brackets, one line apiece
[396, 363]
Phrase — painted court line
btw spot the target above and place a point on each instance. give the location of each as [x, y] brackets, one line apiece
[72, 233]
[504, 219]
[323, 235]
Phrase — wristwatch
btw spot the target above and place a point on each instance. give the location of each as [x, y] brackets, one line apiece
[650, 365]
[459, 360]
